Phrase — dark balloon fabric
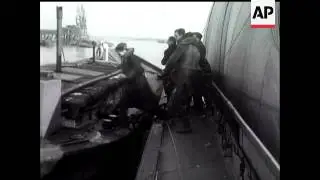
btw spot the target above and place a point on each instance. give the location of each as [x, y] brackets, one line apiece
[248, 63]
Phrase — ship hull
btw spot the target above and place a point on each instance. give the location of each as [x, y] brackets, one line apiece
[105, 151]
[105, 161]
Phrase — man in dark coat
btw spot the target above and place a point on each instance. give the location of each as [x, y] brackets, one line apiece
[172, 45]
[198, 104]
[183, 68]
[206, 73]
[168, 84]
[136, 93]
[204, 64]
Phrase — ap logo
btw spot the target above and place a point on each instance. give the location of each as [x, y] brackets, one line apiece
[263, 14]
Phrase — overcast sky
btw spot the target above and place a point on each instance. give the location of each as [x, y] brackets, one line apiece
[130, 19]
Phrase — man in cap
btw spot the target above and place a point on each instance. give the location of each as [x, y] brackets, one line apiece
[136, 93]
[183, 68]
[168, 84]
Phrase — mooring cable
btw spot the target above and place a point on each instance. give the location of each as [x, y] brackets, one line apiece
[176, 152]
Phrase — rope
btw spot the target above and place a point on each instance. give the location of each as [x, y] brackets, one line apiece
[176, 153]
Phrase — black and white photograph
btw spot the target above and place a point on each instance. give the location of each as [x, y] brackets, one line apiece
[160, 90]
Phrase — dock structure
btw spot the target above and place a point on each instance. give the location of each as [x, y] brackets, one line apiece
[59, 39]
[49, 34]
[71, 74]
[69, 33]
[46, 34]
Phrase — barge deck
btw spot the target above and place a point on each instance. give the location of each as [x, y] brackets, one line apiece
[173, 156]
[77, 73]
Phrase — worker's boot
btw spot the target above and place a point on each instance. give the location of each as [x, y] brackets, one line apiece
[183, 126]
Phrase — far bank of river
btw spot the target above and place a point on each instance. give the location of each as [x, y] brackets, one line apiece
[151, 51]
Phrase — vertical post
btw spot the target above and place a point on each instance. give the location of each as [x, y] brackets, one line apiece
[94, 51]
[59, 40]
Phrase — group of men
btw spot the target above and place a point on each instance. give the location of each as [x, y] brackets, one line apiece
[187, 75]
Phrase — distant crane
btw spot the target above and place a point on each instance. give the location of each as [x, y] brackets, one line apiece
[81, 22]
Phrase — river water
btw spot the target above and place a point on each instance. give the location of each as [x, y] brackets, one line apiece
[151, 51]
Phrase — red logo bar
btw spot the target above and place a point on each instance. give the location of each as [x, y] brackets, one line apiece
[263, 26]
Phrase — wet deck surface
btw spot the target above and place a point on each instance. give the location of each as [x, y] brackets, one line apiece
[79, 72]
[194, 156]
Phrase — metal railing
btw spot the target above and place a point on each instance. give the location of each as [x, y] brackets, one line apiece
[233, 130]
